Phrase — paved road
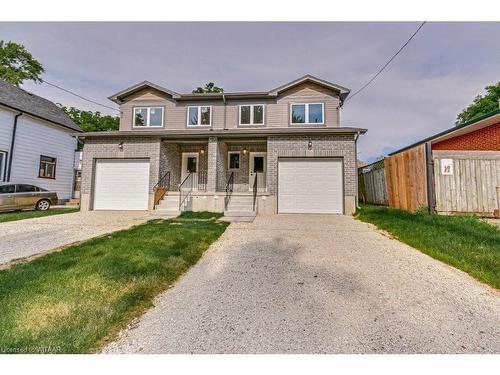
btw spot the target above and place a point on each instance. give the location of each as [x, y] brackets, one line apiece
[317, 284]
[23, 238]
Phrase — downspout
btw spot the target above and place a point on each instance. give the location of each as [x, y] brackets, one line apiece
[12, 143]
[225, 109]
[430, 177]
[356, 162]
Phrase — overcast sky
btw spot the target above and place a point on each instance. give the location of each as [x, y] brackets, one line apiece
[421, 93]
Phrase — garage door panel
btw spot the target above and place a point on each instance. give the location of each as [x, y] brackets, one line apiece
[121, 185]
[310, 185]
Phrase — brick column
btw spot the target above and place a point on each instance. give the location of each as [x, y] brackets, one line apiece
[212, 164]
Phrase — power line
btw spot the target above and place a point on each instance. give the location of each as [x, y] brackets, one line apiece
[388, 62]
[79, 96]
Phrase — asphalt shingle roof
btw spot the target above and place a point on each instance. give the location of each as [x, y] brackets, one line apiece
[17, 98]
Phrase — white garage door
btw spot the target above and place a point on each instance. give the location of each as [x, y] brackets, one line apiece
[121, 185]
[310, 185]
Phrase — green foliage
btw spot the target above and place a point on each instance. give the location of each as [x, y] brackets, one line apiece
[74, 300]
[465, 242]
[92, 121]
[18, 65]
[209, 88]
[482, 105]
[21, 215]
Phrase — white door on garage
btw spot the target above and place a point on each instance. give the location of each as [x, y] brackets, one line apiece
[310, 185]
[121, 184]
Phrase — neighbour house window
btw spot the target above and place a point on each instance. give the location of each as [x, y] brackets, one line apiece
[252, 114]
[234, 160]
[199, 116]
[310, 113]
[3, 163]
[148, 117]
[47, 167]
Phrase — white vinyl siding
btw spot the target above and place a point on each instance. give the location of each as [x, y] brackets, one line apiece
[310, 185]
[121, 184]
[36, 137]
[6, 126]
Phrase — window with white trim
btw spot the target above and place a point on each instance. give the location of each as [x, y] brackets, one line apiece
[199, 115]
[307, 113]
[233, 160]
[47, 167]
[148, 117]
[252, 114]
[3, 164]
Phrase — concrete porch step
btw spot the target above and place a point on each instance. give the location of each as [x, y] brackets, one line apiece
[162, 214]
[245, 216]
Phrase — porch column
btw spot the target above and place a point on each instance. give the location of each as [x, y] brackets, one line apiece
[212, 164]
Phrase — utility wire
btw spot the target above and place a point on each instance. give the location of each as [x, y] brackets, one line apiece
[387, 63]
[79, 96]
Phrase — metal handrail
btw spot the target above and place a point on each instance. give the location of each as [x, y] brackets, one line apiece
[229, 190]
[255, 190]
[161, 186]
[190, 189]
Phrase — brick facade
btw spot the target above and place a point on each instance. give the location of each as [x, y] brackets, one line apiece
[485, 139]
[322, 146]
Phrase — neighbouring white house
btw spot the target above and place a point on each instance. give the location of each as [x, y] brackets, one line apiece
[36, 146]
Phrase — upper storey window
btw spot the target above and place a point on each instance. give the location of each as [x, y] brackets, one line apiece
[148, 117]
[199, 116]
[252, 114]
[309, 113]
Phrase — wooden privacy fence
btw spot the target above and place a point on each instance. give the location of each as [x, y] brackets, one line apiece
[470, 185]
[406, 178]
[372, 185]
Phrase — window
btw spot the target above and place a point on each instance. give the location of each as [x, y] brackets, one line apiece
[252, 114]
[3, 163]
[310, 113]
[148, 117]
[47, 167]
[26, 189]
[7, 189]
[234, 160]
[199, 116]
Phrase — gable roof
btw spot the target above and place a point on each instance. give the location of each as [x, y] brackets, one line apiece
[478, 123]
[342, 91]
[16, 98]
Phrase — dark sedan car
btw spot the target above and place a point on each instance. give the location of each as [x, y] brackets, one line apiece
[15, 197]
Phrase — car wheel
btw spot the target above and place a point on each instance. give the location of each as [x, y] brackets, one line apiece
[43, 205]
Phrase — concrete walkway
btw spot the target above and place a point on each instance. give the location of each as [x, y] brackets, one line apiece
[23, 238]
[317, 284]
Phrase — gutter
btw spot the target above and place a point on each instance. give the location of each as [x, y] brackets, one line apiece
[12, 143]
[225, 109]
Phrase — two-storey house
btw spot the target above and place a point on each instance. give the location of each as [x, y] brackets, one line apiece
[278, 151]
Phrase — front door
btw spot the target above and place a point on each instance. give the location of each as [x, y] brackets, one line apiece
[189, 168]
[257, 171]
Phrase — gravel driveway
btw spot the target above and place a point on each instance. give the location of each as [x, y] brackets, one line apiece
[317, 284]
[23, 238]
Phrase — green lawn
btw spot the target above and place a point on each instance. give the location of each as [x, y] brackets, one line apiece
[75, 300]
[465, 242]
[21, 215]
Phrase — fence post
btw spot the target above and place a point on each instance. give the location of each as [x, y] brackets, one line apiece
[430, 177]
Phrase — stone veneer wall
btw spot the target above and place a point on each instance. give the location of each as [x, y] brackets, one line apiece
[108, 148]
[322, 146]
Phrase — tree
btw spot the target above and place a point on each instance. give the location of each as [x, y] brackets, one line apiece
[209, 88]
[91, 121]
[481, 105]
[18, 65]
